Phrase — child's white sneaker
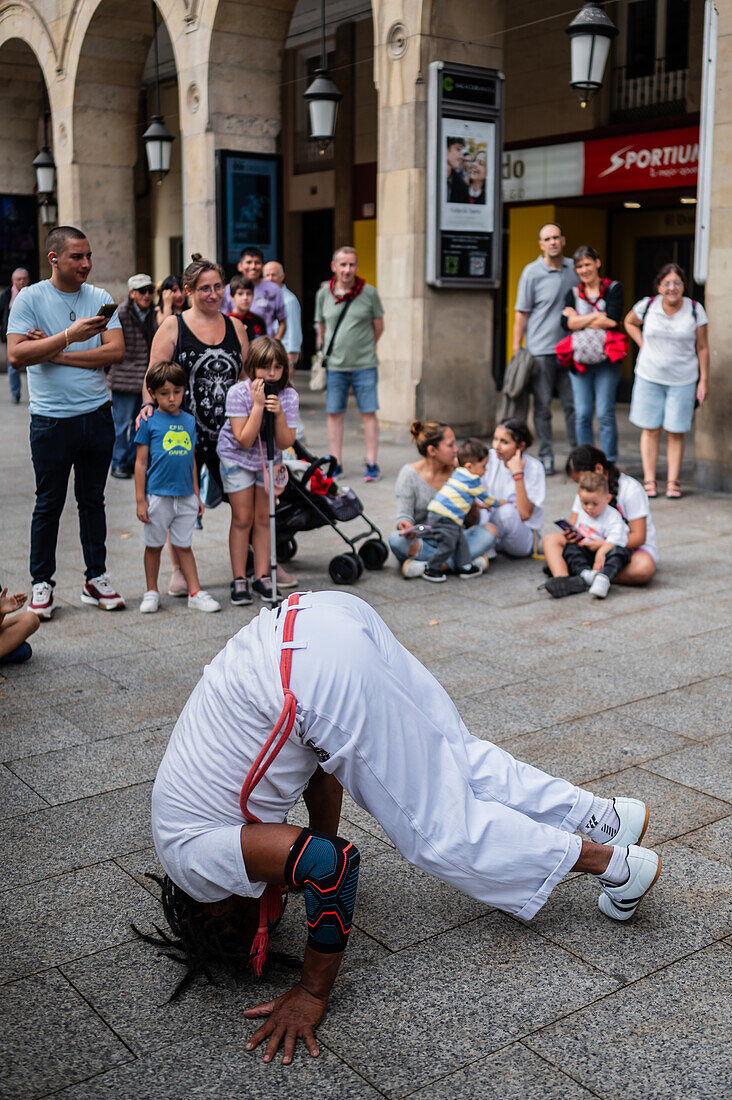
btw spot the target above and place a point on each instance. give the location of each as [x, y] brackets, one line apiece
[203, 602]
[588, 576]
[412, 568]
[600, 586]
[482, 562]
[150, 602]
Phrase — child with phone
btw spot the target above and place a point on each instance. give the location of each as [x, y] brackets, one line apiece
[595, 548]
[242, 452]
[166, 485]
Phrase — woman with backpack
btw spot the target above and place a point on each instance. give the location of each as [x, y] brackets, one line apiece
[671, 373]
[592, 310]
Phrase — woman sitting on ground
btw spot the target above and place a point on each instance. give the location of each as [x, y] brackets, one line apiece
[518, 482]
[416, 485]
[630, 499]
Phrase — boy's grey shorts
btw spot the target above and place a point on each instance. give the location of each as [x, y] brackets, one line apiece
[174, 515]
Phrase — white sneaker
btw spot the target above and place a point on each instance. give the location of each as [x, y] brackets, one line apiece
[203, 602]
[150, 602]
[600, 586]
[41, 601]
[100, 592]
[588, 576]
[412, 568]
[633, 815]
[621, 902]
[482, 562]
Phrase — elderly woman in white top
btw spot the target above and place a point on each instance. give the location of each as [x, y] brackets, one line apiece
[417, 482]
[671, 372]
[518, 483]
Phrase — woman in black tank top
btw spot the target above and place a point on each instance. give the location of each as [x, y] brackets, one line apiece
[212, 360]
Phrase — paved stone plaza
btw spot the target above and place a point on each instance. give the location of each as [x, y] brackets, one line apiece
[439, 997]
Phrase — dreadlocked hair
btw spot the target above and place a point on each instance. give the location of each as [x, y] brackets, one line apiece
[208, 933]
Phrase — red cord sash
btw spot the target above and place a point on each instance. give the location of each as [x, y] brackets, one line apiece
[270, 906]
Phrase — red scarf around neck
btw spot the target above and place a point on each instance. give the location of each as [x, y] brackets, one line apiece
[347, 295]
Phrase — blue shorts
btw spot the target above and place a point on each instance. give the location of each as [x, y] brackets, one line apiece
[235, 478]
[364, 385]
[654, 405]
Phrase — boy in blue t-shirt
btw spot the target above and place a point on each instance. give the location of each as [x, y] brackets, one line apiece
[166, 485]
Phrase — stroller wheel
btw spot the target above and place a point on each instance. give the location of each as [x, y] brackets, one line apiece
[344, 569]
[286, 549]
[374, 553]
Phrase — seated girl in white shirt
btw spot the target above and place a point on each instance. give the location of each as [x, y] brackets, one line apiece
[517, 481]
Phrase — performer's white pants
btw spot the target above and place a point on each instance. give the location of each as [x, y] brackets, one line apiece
[460, 808]
[514, 536]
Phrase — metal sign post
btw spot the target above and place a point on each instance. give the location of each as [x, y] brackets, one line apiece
[464, 148]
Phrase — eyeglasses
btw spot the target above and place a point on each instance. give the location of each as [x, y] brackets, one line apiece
[208, 291]
[670, 286]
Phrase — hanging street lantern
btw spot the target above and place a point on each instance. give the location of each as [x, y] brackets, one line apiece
[45, 171]
[158, 146]
[322, 98]
[157, 138]
[590, 34]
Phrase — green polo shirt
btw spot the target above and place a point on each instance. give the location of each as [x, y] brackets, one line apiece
[354, 347]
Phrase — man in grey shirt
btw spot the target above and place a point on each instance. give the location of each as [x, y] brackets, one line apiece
[539, 303]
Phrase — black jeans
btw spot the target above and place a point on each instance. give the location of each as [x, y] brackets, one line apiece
[59, 444]
[581, 557]
[546, 375]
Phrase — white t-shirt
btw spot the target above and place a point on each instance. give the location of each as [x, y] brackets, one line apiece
[668, 355]
[499, 482]
[633, 504]
[609, 525]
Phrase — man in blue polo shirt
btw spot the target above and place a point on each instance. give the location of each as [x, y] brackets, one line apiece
[539, 303]
[56, 335]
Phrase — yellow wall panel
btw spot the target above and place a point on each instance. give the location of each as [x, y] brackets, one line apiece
[364, 241]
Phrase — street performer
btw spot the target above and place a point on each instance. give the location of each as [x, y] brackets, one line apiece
[359, 712]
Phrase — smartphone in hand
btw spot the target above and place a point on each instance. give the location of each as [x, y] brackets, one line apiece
[566, 526]
[108, 310]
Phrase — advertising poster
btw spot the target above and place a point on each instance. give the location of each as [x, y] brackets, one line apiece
[249, 200]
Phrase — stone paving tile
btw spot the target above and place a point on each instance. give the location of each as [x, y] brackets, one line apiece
[460, 1012]
[51, 1038]
[595, 746]
[16, 797]
[139, 864]
[698, 711]
[713, 840]
[689, 907]
[20, 736]
[95, 767]
[205, 1067]
[66, 917]
[514, 1073]
[675, 808]
[669, 1031]
[705, 767]
[49, 684]
[62, 838]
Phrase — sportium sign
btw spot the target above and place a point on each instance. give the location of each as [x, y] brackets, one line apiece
[669, 158]
[636, 162]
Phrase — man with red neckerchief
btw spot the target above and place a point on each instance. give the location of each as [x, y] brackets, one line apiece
[352, 362]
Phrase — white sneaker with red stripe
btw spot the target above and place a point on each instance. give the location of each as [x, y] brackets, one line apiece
[41, 601]
[99, 591]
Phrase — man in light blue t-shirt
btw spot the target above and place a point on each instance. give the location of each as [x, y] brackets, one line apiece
[57, 335]
[542, 289]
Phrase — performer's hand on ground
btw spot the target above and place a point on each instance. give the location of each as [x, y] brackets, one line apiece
[292, 1016]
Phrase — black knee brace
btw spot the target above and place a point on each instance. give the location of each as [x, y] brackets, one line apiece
[327, 868]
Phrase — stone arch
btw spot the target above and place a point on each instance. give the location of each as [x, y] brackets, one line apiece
[19, 19]
[108, 50]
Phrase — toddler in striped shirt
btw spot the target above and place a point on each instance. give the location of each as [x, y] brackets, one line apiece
[448, 508]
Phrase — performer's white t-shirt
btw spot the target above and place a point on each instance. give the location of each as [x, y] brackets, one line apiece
[632, 503]
[499, 482]
[220, 732]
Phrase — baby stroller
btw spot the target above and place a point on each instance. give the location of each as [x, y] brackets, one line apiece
[300, 508]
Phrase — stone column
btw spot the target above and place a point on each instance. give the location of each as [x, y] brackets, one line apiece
[713, 421]
[437, 347]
